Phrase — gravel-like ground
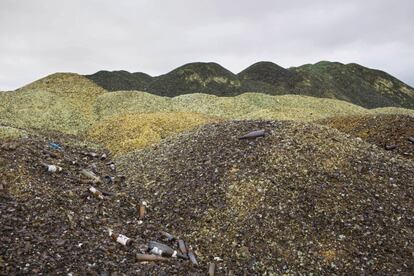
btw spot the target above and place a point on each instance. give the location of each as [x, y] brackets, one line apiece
[388, 131]
[303, 199]
[50, 223]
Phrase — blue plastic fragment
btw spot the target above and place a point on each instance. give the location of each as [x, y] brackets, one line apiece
[55, 146]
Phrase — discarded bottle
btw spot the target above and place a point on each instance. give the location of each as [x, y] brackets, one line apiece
[411, 139]
[253, 134]
[211, 269]
[122, 239]
[96, 192]
[163, 250]
[91, 175]
[183, 248]
[150, 258]
[51, 168]
[142, 207]
[104, 156]
[390, 147]
[191, 255]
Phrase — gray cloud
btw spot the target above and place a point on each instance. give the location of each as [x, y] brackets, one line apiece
[39, 37]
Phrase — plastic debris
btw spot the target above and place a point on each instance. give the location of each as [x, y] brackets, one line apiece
[91, 175]
[55, 146]
[96, 192]
[51, 168]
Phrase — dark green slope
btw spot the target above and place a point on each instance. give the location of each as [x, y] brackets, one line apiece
[353, 83]
[349, 82]
[198, 77]
[386, 85]
[268, 77]
[121, 80]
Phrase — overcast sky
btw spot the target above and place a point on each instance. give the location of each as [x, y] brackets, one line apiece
[40, 37]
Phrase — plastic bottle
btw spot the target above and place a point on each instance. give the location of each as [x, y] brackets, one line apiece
[183, 248]
[51, 168]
